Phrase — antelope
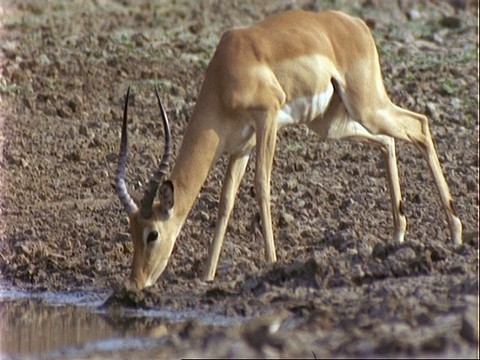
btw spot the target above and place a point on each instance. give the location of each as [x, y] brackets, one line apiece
[297, 67]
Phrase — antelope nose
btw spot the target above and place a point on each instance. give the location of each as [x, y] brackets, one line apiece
[138, 281]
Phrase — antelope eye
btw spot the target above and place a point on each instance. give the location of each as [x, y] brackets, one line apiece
[152, 236]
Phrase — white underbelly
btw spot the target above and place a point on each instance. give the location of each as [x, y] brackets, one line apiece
[305, 109]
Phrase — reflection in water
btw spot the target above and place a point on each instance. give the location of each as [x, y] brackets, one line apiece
[63, 325]
[31, 327]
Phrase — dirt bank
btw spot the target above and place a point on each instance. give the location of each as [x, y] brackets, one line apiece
[340, 287]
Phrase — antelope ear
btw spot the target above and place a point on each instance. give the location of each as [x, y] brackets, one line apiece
[165, 195]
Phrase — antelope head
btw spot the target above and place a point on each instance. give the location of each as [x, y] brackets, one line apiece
[153, 233]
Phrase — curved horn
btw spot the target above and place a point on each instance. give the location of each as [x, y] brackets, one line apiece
[120, 186]
[161, 173]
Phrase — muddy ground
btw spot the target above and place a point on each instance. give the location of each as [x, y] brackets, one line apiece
[340, 287]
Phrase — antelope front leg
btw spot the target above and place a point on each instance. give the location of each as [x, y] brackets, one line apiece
[236, 169]
[390, 158]
[266, 130]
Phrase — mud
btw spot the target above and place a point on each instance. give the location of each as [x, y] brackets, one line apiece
[341, 288]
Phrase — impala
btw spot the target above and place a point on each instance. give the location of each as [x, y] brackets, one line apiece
[297, 67]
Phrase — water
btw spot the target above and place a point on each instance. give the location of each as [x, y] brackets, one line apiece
[33, 324]
[56, 325]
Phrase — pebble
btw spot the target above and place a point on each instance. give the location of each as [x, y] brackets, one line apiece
[469, 328]
[413, 14]
[286, 219]
[432, 111]
[44, 60]
[9, 48]
[451, 22]
[82, 130]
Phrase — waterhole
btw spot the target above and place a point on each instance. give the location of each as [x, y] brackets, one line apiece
[56, 325]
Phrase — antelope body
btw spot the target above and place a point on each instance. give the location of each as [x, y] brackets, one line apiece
[297, 67]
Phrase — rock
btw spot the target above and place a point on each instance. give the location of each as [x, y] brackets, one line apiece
[371, 3]
[472, 185]
[469, 328]
[456, 103]
[9, 48]
[285, 219]
[459, 4]
[404, 254]
[434, 344]
[431, 111]
[75, 103]
[413, 14]
[471, 238]
[437, 38]
[44, 60]
[178, 91]
[261, 332]
[24, 248]
[451, 22]
[64, 111]
[82, 130]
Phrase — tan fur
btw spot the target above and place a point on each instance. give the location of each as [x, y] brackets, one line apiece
[254, 72]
